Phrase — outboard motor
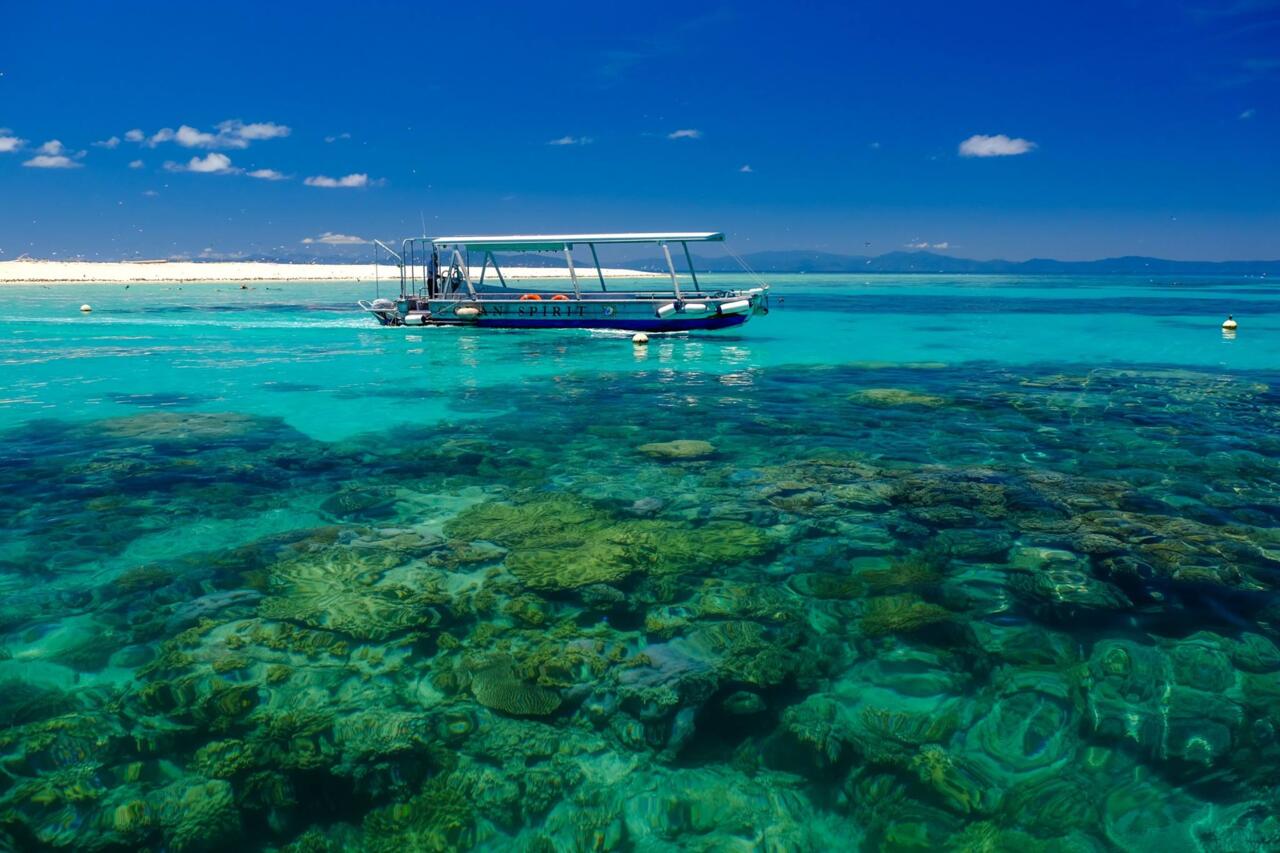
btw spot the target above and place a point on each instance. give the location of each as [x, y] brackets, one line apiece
[383, 309]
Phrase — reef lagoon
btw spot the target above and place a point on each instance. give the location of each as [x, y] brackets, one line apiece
[914, 563]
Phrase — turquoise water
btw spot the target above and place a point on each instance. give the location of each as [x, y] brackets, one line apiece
[913, 562]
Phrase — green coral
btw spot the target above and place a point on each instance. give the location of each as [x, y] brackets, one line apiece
[439, 818]
[563, 542]
[900, 614]
[342, 590]
[196, 817]
[183, 427]
[826, 585]
[918, 569]
[602, 561]
[960, 784]
[887, 725]
[497, 686]
[221, 759]
[23, 702]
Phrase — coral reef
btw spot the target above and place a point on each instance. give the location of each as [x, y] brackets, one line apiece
[974, 607]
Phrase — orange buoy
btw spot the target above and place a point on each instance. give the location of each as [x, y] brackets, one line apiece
[559, 297]
[530, 297]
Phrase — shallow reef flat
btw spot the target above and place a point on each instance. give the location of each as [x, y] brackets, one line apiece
[864, 606]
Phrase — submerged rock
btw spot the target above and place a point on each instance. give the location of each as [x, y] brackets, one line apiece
[743, 702]
[896, 397]
[680, 449]
[360, 504]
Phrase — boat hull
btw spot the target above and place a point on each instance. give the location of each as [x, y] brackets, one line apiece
[631, 312]
[636, 324]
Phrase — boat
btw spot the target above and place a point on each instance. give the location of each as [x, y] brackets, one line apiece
[438, 288]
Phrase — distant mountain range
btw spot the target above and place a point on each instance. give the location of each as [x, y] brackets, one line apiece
[931, 262]
[800, 261]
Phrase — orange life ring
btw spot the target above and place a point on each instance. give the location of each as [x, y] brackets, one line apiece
[559, 297]
[530, 297]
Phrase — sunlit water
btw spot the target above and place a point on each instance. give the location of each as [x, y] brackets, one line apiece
[915, 562]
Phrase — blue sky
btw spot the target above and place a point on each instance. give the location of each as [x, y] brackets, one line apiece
[979, 129]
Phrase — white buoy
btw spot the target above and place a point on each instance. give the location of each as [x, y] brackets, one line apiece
[639, 339]
[1229, 323]
[86, 308]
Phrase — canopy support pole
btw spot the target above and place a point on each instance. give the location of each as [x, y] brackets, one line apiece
[599, 272]
[568, 256]
[675, 282]
[461, 265]
[498, 270]
[485, 267]
[692, 272]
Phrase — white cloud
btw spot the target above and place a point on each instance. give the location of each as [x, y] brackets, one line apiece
[686, 133]
[355, 180]
[232, 133]
[212, 163]
[746, 167]
[875, 145]
[980, 145]
[1249, 113]
[189, 137]
[54, 155]
[108, 143]
[136, 164]
[150, 193]
[52, 161]
[164, 134]
[337, 136]
[572, 140]
[331, 239]
[925, 244]
[267, 175]
[9, 144]
[254, 131]
[943, 245]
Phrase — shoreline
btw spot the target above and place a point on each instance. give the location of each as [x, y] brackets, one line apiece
[234, 272]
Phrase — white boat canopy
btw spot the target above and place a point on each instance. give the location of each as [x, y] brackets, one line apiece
[558, 242]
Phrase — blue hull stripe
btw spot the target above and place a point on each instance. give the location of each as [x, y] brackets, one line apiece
[618, 323]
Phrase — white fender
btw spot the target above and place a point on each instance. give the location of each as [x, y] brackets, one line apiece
[738, 306]
[667, 310]
[468, 312]
[415, 319]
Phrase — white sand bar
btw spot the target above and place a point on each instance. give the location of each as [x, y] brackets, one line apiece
[75, 272]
